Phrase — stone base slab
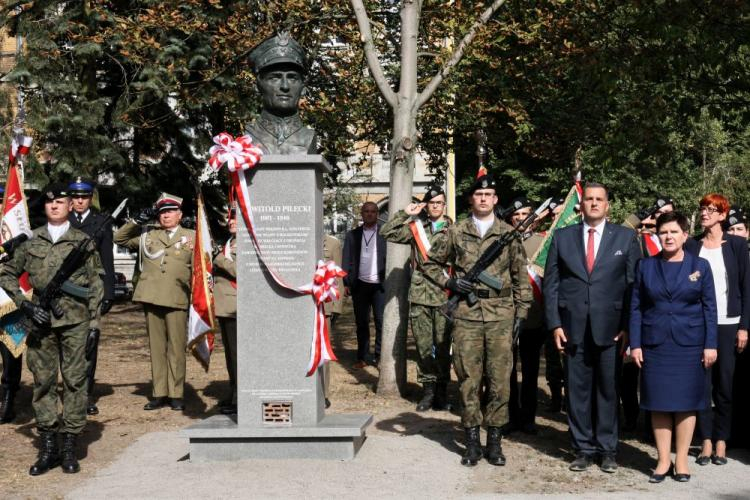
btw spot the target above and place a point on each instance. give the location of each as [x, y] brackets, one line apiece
[219, 438]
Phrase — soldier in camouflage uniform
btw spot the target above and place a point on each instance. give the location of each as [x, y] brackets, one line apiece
[482, 333]
[57, 343]
[430, 328]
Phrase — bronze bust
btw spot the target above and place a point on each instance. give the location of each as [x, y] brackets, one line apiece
[280, 68]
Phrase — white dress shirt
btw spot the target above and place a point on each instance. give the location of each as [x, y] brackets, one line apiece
[598, 231]
[368, 256]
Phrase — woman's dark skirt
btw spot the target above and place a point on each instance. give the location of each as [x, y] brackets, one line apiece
[673, 378]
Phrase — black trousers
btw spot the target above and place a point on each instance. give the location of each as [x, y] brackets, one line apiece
[716, 424]
[629, 391]
[522, 404]
[368, 297]
[591, 395]
[91, 370]
[11, 379]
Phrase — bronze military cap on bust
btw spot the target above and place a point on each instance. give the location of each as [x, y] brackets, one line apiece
[280, 66]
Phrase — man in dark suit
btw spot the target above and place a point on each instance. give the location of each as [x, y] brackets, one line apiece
[364, 263]
[87, 220]
[590, 269]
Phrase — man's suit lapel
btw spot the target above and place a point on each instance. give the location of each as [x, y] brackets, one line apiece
[604, 244]
[357, 237]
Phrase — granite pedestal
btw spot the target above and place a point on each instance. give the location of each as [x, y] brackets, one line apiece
[280, 410]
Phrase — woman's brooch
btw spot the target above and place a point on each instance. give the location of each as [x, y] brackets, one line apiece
[695, 276]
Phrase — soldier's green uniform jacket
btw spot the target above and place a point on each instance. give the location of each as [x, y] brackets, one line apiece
[423, 290]
[461, 248]
[167, 264]
[41, 259]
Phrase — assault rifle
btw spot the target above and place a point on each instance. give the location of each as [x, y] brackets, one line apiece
[48, 298]
[477, 274]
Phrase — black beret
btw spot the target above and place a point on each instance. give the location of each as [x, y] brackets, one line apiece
[736, 216]
[433, 190]
[54, 191]
[518, 203]
[483, 182]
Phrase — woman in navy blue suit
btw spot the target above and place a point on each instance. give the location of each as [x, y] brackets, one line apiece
[673, 340]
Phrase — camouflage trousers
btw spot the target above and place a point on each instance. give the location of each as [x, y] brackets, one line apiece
[431, 332]
[482, 350]
[63, 349]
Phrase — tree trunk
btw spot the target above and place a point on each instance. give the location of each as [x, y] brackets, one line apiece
[392, 380]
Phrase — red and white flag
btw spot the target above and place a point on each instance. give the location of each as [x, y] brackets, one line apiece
[202, 319]
[15, 212]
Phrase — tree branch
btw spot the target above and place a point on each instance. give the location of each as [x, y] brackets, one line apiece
[373, 61]
[457, 54]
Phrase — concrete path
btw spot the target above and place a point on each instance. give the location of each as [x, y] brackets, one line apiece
[389, 465]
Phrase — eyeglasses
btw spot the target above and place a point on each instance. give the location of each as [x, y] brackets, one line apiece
[708, 210]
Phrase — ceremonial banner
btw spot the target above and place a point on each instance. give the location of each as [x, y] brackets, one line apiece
[567, 217]
[15, 221]
[202, 319]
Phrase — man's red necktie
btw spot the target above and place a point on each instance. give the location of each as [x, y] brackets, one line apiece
[590, 251]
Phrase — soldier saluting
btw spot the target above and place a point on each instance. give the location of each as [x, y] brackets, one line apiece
[166, 261]
[88, 220]
[430, 328]
[482, 331]
[57, 343]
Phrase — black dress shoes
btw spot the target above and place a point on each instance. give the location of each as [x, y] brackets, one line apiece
[681, 478]
[608, 464]
[581, 463]
[658, 478]
[155, 404]
[717, 460]
[92, 409]
[177, 404]
[703, 460]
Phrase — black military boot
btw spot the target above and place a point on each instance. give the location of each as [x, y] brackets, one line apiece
[49, 454]
[473, 452]
[7, 412]
[440, 403]
[69, 460]
[494, 451]
[428, 396]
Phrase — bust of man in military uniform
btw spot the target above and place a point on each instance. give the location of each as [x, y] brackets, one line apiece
[280, 68]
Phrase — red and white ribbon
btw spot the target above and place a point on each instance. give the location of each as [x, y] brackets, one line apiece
[323, 289]
[19, 149]
[240, 155]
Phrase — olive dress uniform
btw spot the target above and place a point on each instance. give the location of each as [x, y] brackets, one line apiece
[225, 301]
[61, 346]
[430, 328]
[164, 290]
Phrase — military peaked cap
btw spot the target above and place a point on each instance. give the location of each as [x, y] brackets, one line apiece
[281, 48]
[81, 187]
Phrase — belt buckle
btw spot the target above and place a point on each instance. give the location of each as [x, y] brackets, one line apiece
[482, 294]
